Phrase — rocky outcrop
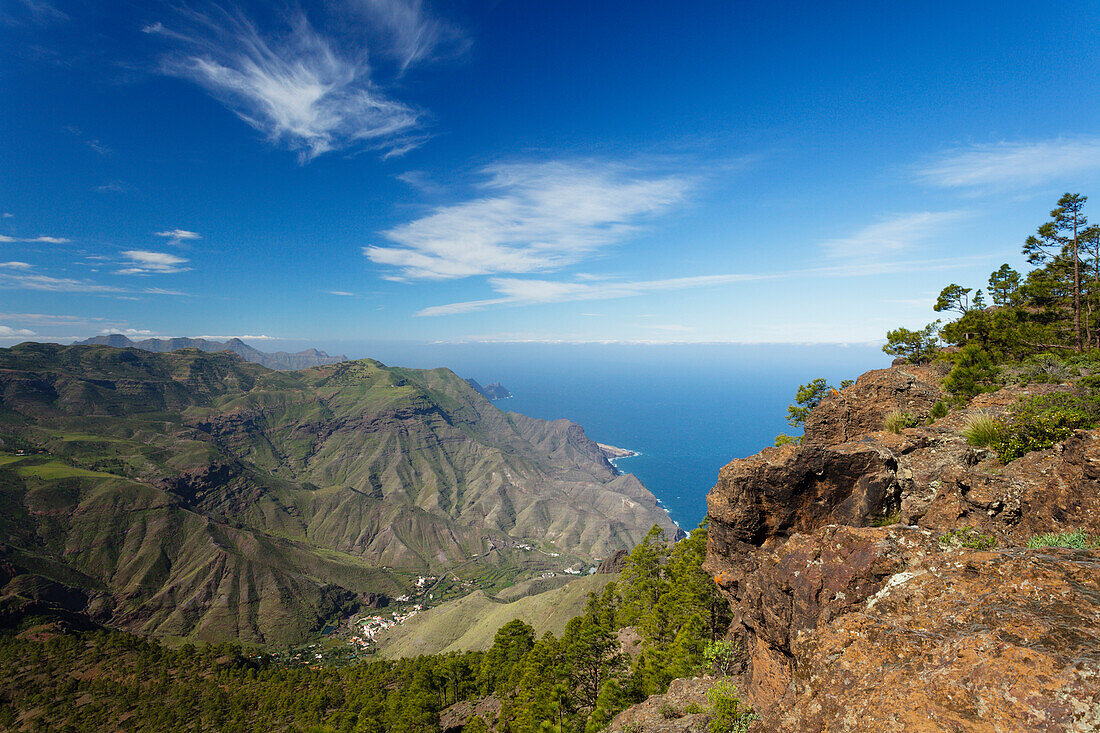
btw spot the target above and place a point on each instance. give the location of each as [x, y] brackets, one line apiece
[454, 718]
[862, 408]
[853, 627]
[683, 709]
[613, 564]
[791, 489]
[962, 641]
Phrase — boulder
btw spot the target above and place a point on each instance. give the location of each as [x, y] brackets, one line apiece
[792, 488]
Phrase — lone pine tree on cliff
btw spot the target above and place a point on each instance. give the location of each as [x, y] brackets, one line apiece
[1059, 240]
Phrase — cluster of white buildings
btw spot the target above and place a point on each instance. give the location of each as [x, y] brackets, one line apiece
[370, 626]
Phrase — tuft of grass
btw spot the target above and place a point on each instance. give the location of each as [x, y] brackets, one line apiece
[898, 420]
[669, 711]
[968, 537]
[887, 519]
[981, 430]
[1075, 539]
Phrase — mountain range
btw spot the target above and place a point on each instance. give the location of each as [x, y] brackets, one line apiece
[281, 360]
[193, 494]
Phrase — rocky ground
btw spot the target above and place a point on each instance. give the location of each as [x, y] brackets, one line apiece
[849, 626]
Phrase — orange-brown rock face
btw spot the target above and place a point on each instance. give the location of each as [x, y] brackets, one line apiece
[851, 627]
[962, 641]
[862, 408]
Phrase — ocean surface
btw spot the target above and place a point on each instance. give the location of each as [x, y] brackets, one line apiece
[687, 409]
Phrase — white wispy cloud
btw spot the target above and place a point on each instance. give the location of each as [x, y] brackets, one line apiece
[42, 239]
[34, 12]
[51, 319]
[143, 332]
[16, 265]
[143, 262]
[408, 32]
[532, 217]
[244, 337]
[300, 89]
[521, 292]
[1012, 164]
[892, 236]
[515, 291]
[342, 293]
[9, 332]
[179, 236]
[421, 181]
[34, 281]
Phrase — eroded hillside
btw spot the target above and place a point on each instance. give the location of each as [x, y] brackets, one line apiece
[194, 494]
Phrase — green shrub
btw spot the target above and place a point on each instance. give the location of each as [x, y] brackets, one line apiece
[476, 724]
[1040, 421]
[1075, 539]
[727, 713]
[720, 657]
[784, 439]
[980, 430]
[940, 409]
[974, 373]
[968, 537]
[693, 708]
[897, 420]
[1045, 369]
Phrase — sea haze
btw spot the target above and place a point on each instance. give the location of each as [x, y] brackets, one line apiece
[688, 409]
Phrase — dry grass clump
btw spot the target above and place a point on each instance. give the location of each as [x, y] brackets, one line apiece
[898, 420]
[981, 429]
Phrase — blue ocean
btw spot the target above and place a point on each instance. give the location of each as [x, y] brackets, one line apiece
[687, 409]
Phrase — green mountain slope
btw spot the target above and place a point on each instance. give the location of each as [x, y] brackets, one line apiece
[196, 495]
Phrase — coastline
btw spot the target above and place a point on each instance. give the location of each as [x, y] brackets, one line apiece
[613, 453]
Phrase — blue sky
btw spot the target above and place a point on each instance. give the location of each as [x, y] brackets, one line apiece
[527, 171]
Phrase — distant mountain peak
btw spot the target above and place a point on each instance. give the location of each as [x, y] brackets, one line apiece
[281, 360]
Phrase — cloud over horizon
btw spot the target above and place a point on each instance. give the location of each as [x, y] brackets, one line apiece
[532, 216]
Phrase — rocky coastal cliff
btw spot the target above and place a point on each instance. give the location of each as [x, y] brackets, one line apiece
[857, 603]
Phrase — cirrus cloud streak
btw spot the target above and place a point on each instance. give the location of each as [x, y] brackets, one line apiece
[531, 217]
[1011, 164]
[299, 89]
